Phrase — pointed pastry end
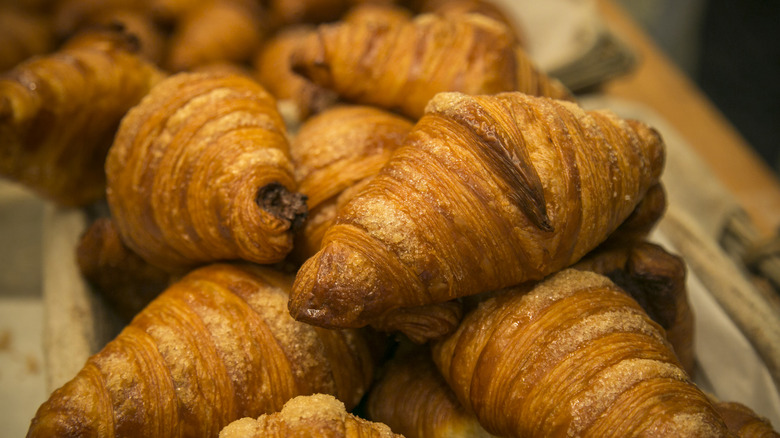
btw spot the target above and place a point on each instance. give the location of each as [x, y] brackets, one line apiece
[337, 288]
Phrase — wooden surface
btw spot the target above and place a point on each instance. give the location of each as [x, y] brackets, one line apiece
[660, 85]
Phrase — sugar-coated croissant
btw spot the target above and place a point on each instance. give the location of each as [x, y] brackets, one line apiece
[572, 356]
[216, 31]
[334, 153]
[486, 192]
[401, 65]
[745, 422]
[273, 70]
[200, 171]
[59, 112]
[216, 346]
[412, 397]
[308, 416]
[335, 150]
[126, 281]
[655, 278]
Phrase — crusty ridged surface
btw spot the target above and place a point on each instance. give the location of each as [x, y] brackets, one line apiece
[484, 7]
[192, 168]
[655, 278]
[274, 72]
[216, 346]
[485, 193]
[217, 31]
[401, 65]
[422, 324]
[125, 280]
[334, 151]
[572, 356]
[316, 416]
[744, 422]
[413, 399]
[59, 112]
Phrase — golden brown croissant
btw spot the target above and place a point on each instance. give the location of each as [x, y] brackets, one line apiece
[274, 72]
[125, 280]
[22, 35]
[334, 153]
[216, 346]
[572, 356]
[59, 113]
[217, 31]
[401, 65]
[335, 150]
[315, 416]
[412, 397]
[655, 278]
[200, 171]
[744, 422]
[486, 192]
[484, 7]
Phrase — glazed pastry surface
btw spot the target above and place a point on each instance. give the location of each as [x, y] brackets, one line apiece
[486, 192]
[216, 346]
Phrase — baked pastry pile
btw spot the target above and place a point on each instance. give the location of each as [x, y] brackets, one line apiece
[350, 218]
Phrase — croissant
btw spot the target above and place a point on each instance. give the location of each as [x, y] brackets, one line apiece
[335, 150]
[486, 192]
[126, 281]
[744, 422]
[484, 7]
[585, 360]
[217, 31]
[200, 171]
[216, 346]
[305, 416]
[401, 65]
[656, 279]
[412, 397]
[274, 72]
[59, 112]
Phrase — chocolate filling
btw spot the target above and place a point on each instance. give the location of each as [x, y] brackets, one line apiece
[283, 204]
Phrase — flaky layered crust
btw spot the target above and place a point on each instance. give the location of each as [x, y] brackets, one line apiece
[200, 171]
[59, 113]
[656, 279]
[572, 356]
[412, 397]
[401, 65]
[487, 192]
[315, 416]
[335, 151]
[216, 346]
